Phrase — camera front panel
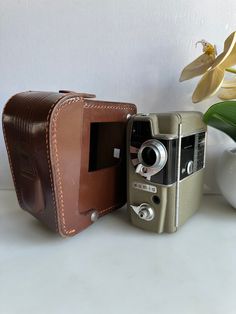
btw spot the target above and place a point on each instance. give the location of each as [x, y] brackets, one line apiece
[156, 199]
[141, 132]
[191, 155]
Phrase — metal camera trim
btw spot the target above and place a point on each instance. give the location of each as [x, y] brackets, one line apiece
[160, 151]
[144, 211]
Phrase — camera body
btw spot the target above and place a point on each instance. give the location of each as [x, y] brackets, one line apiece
[67, 155]
[165, 160]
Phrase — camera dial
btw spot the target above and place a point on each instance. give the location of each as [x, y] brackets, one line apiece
[152, 154]
[144, 211]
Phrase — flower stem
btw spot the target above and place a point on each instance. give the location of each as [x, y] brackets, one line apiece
[231, 70]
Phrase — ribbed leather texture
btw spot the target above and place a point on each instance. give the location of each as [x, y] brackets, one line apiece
[25, 125]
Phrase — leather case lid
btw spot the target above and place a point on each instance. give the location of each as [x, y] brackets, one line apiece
[80, 189]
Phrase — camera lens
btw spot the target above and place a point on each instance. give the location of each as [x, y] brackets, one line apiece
[149, 156]
[153, 154]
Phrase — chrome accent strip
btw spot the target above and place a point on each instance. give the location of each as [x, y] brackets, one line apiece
[173, 136]
[205, 149]
[178, 177]
[195, 154]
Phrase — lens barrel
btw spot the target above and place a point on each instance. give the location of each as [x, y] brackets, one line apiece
[152, 154]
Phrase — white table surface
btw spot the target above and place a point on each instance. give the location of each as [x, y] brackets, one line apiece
[112, 267]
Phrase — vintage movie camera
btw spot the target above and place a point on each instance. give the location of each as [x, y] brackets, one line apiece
[165, 167]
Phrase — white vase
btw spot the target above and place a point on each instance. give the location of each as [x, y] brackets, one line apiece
[226, 175]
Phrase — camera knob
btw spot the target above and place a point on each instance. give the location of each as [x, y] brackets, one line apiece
[189, 167]
[144, 211]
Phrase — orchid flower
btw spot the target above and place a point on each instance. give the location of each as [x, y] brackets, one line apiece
[213, 68]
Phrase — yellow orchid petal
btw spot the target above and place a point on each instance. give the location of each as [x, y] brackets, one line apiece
[209, 84]
[229, 83]
[198, 67]
[227, 93]
[228, 57]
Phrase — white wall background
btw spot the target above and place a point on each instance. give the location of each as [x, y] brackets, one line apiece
[123, 50]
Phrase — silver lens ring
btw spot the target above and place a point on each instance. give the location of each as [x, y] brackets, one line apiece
[152, 154]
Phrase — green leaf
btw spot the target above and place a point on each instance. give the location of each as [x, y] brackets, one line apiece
[222, 116]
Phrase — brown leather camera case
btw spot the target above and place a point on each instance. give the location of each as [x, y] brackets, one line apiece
[67, 156]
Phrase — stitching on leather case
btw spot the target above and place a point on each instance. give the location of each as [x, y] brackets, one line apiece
[124, 107]
[49, 166]
[57, 165]
[61, 208]
[49, 163]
